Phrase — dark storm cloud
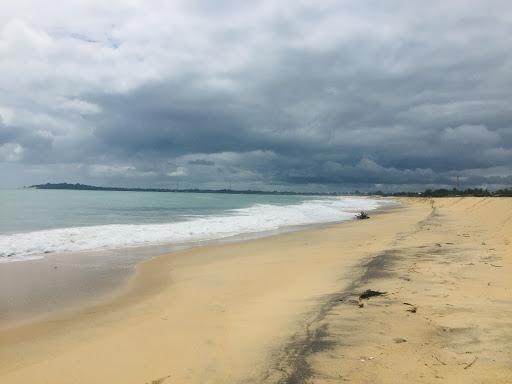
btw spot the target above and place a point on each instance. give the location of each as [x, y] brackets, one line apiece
[316, 95]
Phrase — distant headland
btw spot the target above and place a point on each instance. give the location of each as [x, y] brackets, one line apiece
[84, 187]
[442, 192]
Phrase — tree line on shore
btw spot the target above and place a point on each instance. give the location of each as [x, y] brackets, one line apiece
[442, 192]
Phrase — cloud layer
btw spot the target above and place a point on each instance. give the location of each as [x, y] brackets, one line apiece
[307, 95]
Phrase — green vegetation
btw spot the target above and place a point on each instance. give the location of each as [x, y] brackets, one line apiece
[443, 192]
[84, 187]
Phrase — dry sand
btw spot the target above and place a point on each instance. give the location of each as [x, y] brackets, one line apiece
[286, 309]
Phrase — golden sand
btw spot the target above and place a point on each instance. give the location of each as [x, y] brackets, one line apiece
[286, 309]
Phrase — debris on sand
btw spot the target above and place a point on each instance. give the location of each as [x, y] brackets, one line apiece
[362, 215]
[438, 359]
[370, 293]
[399, 340]
[412, 309]
[471, 363]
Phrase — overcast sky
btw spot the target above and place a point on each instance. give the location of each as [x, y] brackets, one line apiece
[304, 95]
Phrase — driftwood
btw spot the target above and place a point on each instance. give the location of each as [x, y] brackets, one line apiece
[413, 308]
[370, 293]
[437, 358]
[471, 363]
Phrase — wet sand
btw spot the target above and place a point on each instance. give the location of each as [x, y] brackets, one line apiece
[286, 309]
[41, 288]
[36, 289]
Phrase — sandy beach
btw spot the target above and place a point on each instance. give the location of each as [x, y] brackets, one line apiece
[293, 308]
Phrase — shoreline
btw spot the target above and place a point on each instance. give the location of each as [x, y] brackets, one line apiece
[283, 309]
[187, 226]
[73, 281]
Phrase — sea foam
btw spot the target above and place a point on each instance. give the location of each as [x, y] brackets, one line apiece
[254, 219]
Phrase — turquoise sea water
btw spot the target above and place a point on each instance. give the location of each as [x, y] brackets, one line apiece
[28, 210]
[35, 222]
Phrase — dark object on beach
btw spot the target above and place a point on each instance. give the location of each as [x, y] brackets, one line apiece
[362, 216]
[370, 293]
[469, 365]
[399, 340]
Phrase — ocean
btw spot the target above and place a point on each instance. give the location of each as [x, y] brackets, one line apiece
[34, 223]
